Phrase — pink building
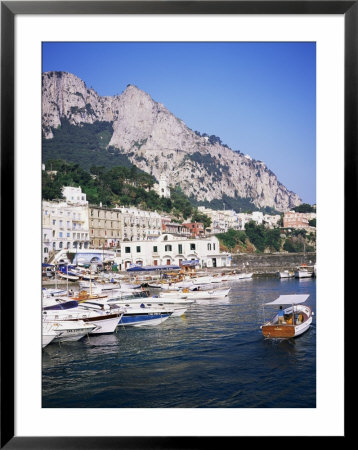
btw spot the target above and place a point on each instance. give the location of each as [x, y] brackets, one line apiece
[294, 219]
[196, 228]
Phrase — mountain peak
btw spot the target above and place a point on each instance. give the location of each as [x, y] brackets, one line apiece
[161, 144]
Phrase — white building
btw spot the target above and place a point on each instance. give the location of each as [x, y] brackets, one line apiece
[221, 220]
[137, 224]
[74, 195]
[162, 188]
[64, 226]
[168, 249]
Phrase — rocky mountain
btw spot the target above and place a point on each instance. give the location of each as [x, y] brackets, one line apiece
[158, 142]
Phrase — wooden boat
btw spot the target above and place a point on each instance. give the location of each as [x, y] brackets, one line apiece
[296, 320]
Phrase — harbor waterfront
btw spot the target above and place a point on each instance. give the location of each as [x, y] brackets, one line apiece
[214, 356]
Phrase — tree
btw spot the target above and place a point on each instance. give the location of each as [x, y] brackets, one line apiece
[304, 208]
[201, 217]
[256, 234]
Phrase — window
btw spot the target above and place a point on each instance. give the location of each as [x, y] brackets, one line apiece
[68, 234]
[209, 246]
[192, 246]
[214, 245]
[54, 222]
[127, 249]
[155, 249]
[180, 248]
[60, 234]
[168, 248]
[45, 250]
[138, 248]
[168, 262]
[155, 262]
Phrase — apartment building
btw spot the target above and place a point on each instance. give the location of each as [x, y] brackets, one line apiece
[64, 226]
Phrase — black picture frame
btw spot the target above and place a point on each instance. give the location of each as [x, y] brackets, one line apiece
[9, 9]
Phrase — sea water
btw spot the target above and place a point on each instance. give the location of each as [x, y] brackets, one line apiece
[212, 357]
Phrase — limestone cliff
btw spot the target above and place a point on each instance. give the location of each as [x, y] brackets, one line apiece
[158, 142]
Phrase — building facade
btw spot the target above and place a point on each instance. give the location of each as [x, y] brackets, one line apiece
[139, 225]
[105, 227]
[168, 249]
[64, 226]
[292, 219]
[196, 229]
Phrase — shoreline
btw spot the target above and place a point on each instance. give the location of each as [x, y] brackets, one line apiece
[261, 264]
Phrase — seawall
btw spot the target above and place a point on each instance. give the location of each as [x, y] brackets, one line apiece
[271, 263]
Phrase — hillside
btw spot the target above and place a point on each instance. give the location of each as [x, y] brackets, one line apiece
[157, 142]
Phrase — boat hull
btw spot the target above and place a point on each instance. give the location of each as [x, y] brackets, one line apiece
[138, 320]
[286, 274]
[303, 274]
[105, 324]
[47, 339]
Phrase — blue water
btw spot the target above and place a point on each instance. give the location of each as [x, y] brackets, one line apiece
[213, 357]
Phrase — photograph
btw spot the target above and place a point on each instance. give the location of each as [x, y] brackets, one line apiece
[178, 224]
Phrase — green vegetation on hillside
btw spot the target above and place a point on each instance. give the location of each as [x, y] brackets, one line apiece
[304, 208]
[123, 186]
[84, 144]
[238, 204]
[266, 239]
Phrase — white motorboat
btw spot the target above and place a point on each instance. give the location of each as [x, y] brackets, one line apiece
[303, 271]
[48, 333]
[107, 287]
[285, 274]
[69, 331]
[294, 321]
[101, 316]
[197, 294]
[175, 304]
[239, 276]
[205, 280]
[144, 315]
[53, 292]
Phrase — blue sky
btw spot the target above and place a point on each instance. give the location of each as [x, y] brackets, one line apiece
[259, 98]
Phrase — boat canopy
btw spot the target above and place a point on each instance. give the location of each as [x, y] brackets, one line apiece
[289, 299]
[150, 268]
[60, 306]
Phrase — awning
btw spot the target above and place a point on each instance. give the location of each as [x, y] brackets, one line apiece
[289, 299]
[190, 262]
[151, 268]
[47, 265]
